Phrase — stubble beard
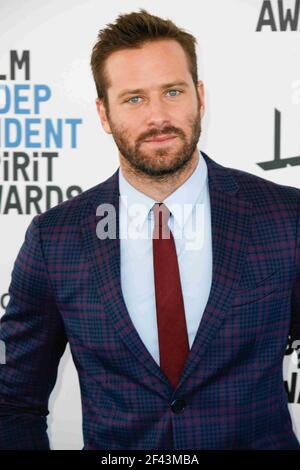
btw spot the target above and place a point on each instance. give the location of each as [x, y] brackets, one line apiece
[164, 161]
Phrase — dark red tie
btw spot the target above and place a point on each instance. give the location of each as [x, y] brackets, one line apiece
[172, 331]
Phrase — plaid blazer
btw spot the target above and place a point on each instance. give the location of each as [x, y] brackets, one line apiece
[65, 287]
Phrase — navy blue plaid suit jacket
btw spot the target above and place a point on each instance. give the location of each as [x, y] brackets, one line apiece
[65, 287]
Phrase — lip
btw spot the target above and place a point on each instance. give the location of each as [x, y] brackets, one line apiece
[160, 139]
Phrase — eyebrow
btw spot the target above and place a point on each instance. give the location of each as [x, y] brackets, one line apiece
[140, 90]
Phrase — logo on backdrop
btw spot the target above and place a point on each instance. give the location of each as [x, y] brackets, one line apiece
[278, 162]
[4, 299]
[29, 144]
[293, 350]
[276, 16]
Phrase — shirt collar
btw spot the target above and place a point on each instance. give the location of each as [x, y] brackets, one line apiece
[190, 192]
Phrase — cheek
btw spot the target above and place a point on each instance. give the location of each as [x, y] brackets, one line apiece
[118, 127]
[129, 127]
[186, 118]
[127, 134]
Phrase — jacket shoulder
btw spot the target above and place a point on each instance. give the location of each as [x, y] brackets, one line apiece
[70, 212]
[263, 192]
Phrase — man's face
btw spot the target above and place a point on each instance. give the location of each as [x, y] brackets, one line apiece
[152, 95]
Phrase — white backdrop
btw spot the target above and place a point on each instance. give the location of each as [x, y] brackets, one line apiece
[250, 68]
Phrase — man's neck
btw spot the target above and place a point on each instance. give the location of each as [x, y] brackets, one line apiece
[158, 188]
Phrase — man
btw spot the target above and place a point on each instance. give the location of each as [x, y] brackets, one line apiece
[178, 342]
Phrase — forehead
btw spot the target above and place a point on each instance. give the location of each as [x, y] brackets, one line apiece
[159, 60]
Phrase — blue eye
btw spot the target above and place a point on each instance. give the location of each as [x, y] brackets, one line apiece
[137, 97]
[175, 91]
[132, 98]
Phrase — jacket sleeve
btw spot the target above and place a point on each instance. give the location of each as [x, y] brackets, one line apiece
[32, 340]
[295, 319]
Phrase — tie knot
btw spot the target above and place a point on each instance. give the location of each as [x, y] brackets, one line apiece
[161, 214]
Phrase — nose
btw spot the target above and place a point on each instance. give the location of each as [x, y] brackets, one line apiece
[158, 114]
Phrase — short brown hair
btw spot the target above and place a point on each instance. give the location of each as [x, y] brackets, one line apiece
[132, 30]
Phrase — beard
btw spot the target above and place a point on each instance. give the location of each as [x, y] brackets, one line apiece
[164, 160]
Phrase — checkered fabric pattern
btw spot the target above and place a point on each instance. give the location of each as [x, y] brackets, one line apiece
[65, 287]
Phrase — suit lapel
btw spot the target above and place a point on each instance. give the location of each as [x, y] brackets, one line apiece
[230, 219]
[104, 256]
[231, 226]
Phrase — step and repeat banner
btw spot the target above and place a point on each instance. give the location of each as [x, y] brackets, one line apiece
[52, 145]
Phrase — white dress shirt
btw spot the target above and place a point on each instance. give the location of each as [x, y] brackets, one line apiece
[190, 222]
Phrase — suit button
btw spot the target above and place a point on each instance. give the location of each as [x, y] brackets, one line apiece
[178, 405]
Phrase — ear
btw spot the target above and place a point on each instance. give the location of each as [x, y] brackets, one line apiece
[103, 115]
[201, 96]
